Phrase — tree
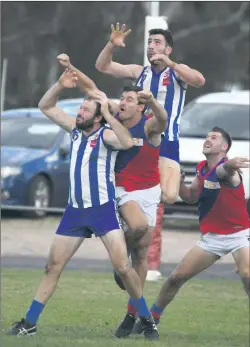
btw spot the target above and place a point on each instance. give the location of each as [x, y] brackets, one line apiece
[212, 37]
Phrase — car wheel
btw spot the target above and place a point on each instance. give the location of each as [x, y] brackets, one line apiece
[39, 195]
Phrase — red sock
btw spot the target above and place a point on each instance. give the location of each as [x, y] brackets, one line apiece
[156, 311]
[131, 309]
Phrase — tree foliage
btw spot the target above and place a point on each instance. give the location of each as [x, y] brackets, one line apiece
[212, 37]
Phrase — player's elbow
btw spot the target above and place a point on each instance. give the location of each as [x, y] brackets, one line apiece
[42, 105]
[101, 67]
[162, 126]
[200, 80]
[129, 143]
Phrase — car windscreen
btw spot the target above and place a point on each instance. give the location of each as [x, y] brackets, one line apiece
[199, 118]
[28, 132]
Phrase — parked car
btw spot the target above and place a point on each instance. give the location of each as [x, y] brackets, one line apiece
[228, 110]
[35, 156]
[72, 105]
[16, 112]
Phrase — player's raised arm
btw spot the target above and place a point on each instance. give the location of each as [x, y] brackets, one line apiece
[184, 73]
[104, 62]
[48, 102]
[83, 81]
[230, 169]
[158, 123]
[189, 194]
[87, 86]
[119, 137]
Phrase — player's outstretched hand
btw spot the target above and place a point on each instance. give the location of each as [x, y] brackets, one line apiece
[118, 35]
[63, 59]
[239, 163]
[68, 79]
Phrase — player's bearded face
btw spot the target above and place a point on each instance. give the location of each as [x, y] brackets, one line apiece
[86, 116]
[84, 124]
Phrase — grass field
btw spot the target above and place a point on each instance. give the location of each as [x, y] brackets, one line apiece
[88, 306]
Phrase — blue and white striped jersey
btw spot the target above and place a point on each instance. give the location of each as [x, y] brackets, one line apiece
[170, 92]
[92, 178]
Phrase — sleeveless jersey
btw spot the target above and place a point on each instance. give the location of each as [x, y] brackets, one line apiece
[92, 176]
[222, 207]
[170, 92]
[137, 167]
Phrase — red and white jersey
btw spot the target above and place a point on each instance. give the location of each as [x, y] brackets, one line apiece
[138, 167]
[222, 207]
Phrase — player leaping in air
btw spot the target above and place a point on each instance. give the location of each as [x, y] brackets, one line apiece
[168, 81]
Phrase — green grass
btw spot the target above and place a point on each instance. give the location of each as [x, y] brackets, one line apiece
[87, 307]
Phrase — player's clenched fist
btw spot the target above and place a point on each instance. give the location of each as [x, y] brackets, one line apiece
[63, 59]
[145, 96]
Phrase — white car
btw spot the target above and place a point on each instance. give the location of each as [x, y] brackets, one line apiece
[73, 105]
[228, 110]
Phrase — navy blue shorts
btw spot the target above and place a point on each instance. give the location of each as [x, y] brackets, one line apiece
[83, 222]
[170, 150]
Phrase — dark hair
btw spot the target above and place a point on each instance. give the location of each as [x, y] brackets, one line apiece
[98, 109]
[166, 33]
[225, 136]
[136, 89]
[132, 88]
[98, 112]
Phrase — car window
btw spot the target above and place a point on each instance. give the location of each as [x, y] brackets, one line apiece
[28, 132]
[66, 141]
[199, 118]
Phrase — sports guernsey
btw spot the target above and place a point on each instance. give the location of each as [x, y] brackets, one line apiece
[137, 168]
[92, 176]
[222, 207]
[169, 91]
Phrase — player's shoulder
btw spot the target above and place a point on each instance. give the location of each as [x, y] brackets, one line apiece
[199, 166]
[145, 69]
[75, 133]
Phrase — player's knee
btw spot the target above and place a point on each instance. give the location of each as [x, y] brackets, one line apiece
[122, 269]
[140, 255]
[53, 267]
[138, 232]
[168, 198]
[246, 283]
[245, 272]
[177, 279]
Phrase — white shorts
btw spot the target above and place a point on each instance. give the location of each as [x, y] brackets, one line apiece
[224, 244]
[148, 200]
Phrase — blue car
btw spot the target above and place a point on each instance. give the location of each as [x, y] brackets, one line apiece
[35, 157]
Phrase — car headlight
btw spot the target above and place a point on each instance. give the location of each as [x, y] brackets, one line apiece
[7, 171]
